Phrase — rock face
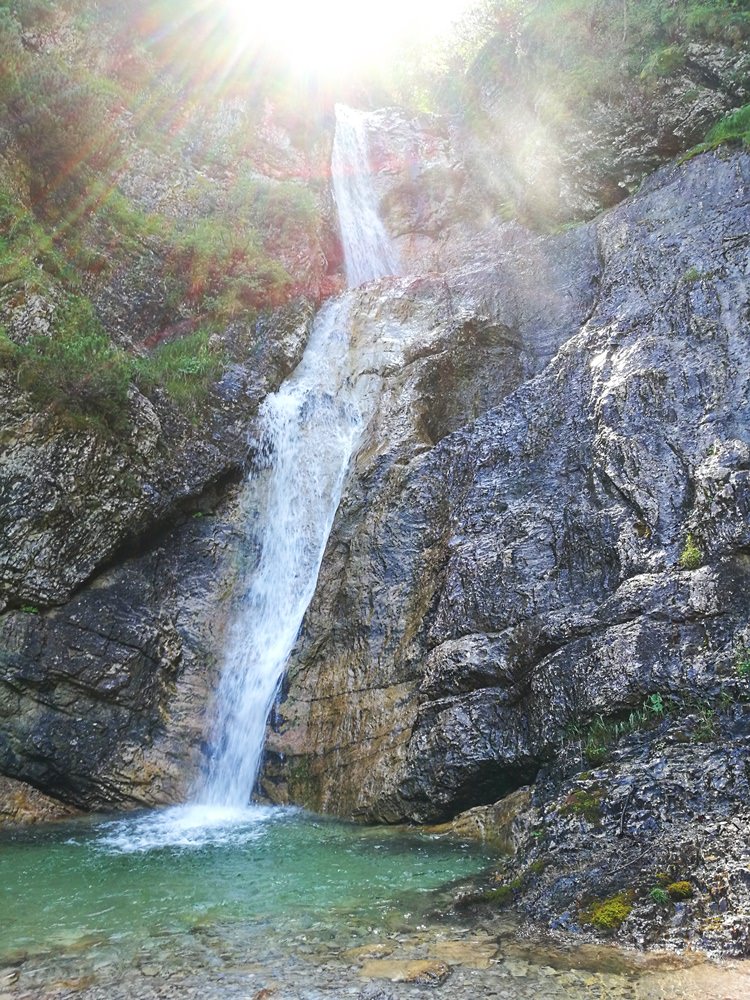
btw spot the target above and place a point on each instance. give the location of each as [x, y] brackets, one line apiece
[578, 546]
[115, 584]
[21, 803]
[70, 498]
[659, 826]
[549, 163]
[104, 700]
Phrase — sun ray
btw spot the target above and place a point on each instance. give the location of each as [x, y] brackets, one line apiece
[337, 37]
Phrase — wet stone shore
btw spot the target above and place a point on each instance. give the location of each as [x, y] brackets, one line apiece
[445, 959]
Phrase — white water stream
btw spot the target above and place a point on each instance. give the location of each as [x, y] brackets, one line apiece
[309, 431]
[368, 251]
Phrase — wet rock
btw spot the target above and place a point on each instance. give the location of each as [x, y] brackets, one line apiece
[662, 824]
[494, 824]
[470, 952]
[365, 951]
[104, 701]
[424, 971]
[495, 585]
[20, 803]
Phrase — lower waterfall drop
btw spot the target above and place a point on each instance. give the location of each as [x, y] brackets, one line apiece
[309, 431]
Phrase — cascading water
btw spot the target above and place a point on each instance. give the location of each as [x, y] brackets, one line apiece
[309, 431]
[368, 251]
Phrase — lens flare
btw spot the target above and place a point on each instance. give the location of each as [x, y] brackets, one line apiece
[333, 37]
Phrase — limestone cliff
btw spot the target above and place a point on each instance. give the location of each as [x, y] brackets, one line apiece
[578, 545]
[547, 522]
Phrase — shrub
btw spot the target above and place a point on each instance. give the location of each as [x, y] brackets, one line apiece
[691, 556]
[226, 264]
[34, 13]
[61, 123]
[76, 372]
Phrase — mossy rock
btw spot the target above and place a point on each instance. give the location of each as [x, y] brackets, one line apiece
[586, 803]
[680, 890]
[503, 895]
[607, 915]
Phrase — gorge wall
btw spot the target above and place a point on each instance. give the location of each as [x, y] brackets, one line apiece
[490, 583]
[546, 526]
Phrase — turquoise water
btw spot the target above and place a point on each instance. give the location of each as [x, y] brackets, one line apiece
[129, 880]
[222, 905]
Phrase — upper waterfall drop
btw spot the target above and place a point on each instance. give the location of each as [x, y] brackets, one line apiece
[368, 250]
[308, 432]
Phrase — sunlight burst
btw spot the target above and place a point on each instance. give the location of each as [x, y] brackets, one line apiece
[330, 37]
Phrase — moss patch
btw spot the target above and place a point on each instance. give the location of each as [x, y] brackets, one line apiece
[586, 803]
[680, 890]
[691, 556]
[607, 915]
[503, 895]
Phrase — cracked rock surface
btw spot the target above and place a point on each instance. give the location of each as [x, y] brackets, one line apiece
[488, 584]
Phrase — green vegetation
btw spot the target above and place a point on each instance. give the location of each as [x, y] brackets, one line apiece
[65, 220]
[76, 372]
[67, 225]
[586, 803]
[225, 269]
[599, 736]
[185, 368]
[663, 62]
[28, 253]
[503, 895]
[705, 728]
[660, 896]
[680, 890]
[733, 128]
[579, 50]
[608, 914]
[691, 556]
[742, 663]
[602, 733]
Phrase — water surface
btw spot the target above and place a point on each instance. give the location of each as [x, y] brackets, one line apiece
[184, 903]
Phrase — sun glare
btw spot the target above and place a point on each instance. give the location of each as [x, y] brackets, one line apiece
[334, 37]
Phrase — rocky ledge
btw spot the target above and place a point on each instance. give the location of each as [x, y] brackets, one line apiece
[644, 842]
[493, 592]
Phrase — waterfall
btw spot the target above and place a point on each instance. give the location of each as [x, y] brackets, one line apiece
[309, 431]
[368, 252]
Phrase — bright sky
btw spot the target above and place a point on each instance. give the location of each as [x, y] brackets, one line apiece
[335, 36]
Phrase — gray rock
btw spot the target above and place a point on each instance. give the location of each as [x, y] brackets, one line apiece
[486, 587]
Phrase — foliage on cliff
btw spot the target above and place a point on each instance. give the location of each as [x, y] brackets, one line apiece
[571, 50]
[143, 198]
